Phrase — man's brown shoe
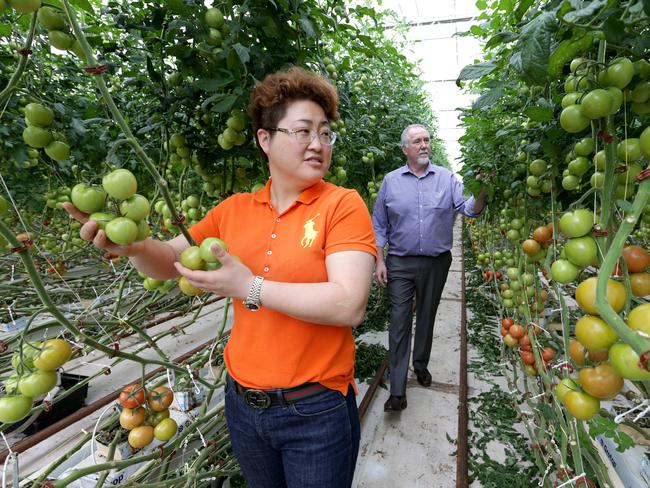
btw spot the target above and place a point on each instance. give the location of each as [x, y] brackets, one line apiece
[424, 377]
[395, 403]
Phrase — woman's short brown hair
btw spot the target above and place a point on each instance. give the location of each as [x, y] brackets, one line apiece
[270, 98]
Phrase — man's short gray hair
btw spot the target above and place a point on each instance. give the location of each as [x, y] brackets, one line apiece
[404, 138]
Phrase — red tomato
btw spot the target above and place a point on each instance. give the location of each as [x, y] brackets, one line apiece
[601, 382]
[160, 398]
[636, 258]
[132, 396]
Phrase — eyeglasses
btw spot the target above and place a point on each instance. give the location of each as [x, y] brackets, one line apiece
[305, 136]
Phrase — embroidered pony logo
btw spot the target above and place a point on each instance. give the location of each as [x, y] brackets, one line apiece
[310, 233]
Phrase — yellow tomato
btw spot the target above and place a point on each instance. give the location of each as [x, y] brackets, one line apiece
[586, 295]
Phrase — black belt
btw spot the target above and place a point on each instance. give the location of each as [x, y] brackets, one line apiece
[280, 396]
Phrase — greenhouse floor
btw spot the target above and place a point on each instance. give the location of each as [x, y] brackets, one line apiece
[412, 448]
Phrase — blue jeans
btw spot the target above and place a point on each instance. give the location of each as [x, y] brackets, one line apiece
[312, 443]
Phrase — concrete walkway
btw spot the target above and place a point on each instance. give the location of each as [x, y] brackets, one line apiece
[412, 448]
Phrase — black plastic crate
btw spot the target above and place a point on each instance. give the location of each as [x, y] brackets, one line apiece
[61, 408]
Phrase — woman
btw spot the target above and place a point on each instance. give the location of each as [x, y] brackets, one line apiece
[307, 251]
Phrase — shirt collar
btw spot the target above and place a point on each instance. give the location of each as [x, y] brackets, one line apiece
[430, 169]
[307, 196]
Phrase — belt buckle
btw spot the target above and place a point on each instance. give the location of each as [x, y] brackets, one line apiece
[257, 399]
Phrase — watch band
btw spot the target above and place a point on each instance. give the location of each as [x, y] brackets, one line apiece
[253, 300]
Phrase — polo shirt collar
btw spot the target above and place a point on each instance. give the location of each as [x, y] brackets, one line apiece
[430, 169]
[306, 197]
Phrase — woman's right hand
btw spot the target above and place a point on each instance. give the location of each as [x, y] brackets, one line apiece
[91, 232]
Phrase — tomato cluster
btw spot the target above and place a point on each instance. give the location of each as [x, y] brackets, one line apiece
[200, 257]
[34, 375]
[146, 414]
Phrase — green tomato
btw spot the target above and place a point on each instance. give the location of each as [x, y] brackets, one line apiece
[625, 361]
[629, 150]
[596, 104]
[26, 361]
[581, 251]
[57, 150]
[565, 386]
[584, 147]
[102, 218]
[191, 258]
[579, 166]
[36, 136]
[617, 99]
[144, 230]
[14, 408]
[25, 6]
[570, 99]
[165, 429]
[122, 231]
[570, 182]
[600, 160]
[50, 18]
[120, 184]
[581, 405]
[135, 208]
[206, 249]
[597, 180]
[88, 199]
[619, 73]
[577, 223]
[38, 115]
[60, 39]
[644, 142]
[537, 167]
[564, 271]
[37, 383]
[572, 119]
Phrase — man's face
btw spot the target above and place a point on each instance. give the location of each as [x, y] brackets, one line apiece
[418, 146]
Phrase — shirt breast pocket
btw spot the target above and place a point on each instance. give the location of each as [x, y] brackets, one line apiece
[435, 199]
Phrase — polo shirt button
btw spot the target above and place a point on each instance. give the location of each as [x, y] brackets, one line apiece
[273, 236]
[266, 269]
[269, 252]
[278, 219]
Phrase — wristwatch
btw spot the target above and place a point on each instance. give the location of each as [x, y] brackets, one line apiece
[253, 300]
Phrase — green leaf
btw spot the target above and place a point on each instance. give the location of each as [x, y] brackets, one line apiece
[646, 7]
[539, 114]
[614, 30]
[212, 84]
[546, 411]
[473, 71]
[225, 104]
[534, 47]
[242, 52]
[84, 4]
[585, 13]
[490, 98]
[5, 30]
[307, 27]
[500, 37]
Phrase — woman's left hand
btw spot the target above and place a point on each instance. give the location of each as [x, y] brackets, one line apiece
[232, 280]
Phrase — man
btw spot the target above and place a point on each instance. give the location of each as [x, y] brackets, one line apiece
[414, 215]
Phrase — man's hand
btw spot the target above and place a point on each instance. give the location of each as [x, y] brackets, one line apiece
[381, 273]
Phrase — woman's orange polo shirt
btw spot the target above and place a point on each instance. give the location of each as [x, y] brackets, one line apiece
[267, 349]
